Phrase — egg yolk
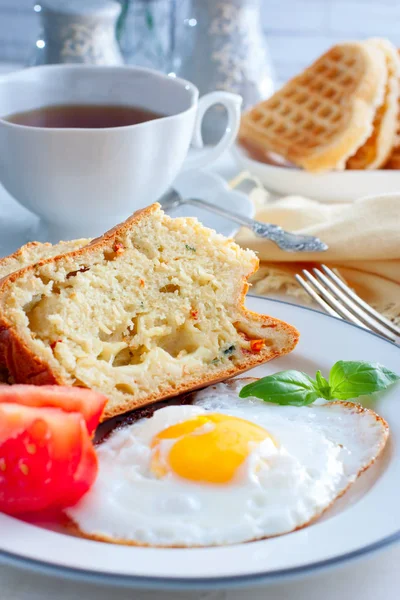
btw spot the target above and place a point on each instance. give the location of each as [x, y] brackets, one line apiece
[207, 448]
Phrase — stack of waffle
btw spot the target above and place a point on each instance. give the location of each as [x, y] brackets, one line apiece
[340, 113]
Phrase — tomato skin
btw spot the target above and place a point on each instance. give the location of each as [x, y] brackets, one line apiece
[84, 477]
[47, 459]
[88, 403]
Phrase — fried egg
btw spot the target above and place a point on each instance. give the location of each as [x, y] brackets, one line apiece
[226, 470]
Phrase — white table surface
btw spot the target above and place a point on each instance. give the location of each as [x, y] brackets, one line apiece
[373, 578]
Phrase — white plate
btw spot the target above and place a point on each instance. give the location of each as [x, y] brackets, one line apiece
[365, 519]
[213, 188]
[334, 186]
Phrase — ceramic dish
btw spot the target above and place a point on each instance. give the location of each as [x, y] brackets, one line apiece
[349, 530]
[334, 186]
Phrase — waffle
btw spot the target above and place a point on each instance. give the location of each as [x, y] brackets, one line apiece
[321, 117]
[394, 159]
[376, 150]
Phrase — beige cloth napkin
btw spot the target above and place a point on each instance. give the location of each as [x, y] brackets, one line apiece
[363, 239]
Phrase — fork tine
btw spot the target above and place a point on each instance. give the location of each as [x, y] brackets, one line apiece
[354, 308]
[368, 309]
[311, 292]
[328, 297]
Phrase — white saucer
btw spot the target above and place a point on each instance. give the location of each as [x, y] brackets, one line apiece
[334, 186]
[18, 226]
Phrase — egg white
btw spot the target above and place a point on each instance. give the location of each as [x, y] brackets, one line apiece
[320, 451]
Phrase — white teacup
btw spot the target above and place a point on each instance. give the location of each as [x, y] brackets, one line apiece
[80, 181]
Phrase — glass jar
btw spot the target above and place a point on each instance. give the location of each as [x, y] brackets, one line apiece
[78, 32]
[146, 32]
[222, 47]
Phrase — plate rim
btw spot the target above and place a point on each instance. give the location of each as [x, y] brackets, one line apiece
[204, 583]
[207, 583]
[240, 154]
[354, 185]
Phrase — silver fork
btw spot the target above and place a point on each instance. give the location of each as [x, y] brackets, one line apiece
[290, 242]
[337, 299]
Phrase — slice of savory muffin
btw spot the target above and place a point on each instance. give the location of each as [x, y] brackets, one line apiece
[34, 252]
[151, 309]
[28, 255]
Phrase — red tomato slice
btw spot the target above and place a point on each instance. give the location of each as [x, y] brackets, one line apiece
[88, 403]
[46, 458]
[84, 477]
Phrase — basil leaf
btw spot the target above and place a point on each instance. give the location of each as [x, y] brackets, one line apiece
[287, 387]
[350, 379]
[323, 386]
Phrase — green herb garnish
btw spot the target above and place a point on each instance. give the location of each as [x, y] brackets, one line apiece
[229, 350]
[347, 380]
[190, 248]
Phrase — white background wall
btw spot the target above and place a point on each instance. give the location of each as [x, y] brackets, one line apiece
[296, 30]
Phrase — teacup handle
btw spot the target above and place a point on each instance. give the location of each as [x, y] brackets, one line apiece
[232, 103]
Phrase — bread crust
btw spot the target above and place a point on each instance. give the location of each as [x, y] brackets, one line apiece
[25, 367]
